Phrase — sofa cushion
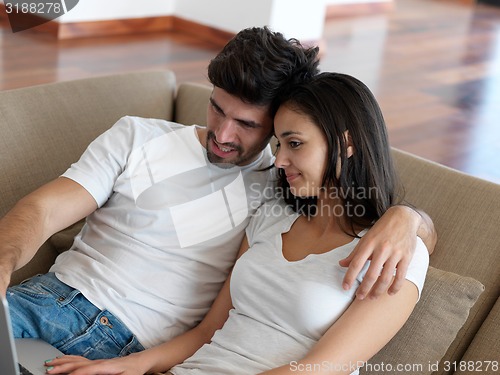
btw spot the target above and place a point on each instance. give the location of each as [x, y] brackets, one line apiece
[433, 325]
[191, 103]
[46, 128]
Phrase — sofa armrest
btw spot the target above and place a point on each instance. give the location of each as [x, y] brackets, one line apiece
[465, 211]
[486, 344]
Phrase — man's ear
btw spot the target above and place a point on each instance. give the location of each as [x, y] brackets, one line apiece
[349, 143]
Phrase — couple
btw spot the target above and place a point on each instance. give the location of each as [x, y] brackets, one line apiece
[150, 277]
[283, 306]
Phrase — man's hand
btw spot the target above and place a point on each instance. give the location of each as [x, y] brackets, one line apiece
[390, 245]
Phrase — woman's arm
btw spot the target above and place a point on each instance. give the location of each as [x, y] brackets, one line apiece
[365, 328]
[159, 358]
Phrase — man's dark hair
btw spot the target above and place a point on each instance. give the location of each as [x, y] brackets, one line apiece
[258, 64]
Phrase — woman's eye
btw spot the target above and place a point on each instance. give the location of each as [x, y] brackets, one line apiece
[294, 144]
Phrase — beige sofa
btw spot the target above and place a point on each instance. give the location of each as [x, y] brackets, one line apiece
[46, 128]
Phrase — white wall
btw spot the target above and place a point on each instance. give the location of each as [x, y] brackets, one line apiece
[294, 18]
[227, 15]
[299, 19]
[99, 10]
[338, 2]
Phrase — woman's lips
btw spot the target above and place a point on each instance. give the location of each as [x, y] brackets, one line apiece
[292, 176]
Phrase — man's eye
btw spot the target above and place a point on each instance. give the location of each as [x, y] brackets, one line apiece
[216, 109]
[247, 125]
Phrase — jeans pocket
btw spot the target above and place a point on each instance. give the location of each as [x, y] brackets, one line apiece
[32, 288]
[133, 346]
[96, 343]
[45, 288]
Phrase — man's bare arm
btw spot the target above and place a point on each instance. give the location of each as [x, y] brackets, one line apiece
[427, 231]
[35, 218]
[389, 245]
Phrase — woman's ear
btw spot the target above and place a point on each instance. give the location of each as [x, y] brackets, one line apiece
[349, 143]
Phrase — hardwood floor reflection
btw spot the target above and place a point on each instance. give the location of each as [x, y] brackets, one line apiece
[434, 66]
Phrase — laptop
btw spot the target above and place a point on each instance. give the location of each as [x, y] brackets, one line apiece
[29, 353]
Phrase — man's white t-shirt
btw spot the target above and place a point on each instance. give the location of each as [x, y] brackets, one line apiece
[282, 308]
[169, 224]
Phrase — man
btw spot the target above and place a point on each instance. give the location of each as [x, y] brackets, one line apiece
[166, 208]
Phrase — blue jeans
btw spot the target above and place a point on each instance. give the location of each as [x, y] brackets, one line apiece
[44, 307]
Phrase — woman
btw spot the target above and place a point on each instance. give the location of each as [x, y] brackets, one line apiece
[282, 310]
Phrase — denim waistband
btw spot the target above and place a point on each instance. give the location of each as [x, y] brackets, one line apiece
[103, 320]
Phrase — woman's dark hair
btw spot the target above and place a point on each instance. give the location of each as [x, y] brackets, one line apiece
[367, 184]
[258, 64]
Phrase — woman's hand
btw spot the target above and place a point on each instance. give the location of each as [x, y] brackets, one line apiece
[75, 365]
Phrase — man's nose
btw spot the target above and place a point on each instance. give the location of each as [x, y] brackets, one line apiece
[226, 132]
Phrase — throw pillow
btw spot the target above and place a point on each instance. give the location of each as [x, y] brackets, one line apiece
[433, 325]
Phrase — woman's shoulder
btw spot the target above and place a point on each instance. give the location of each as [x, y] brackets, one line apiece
[275, 209]
[271, 215]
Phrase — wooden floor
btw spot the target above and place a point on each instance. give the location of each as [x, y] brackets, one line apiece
[434, 65]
